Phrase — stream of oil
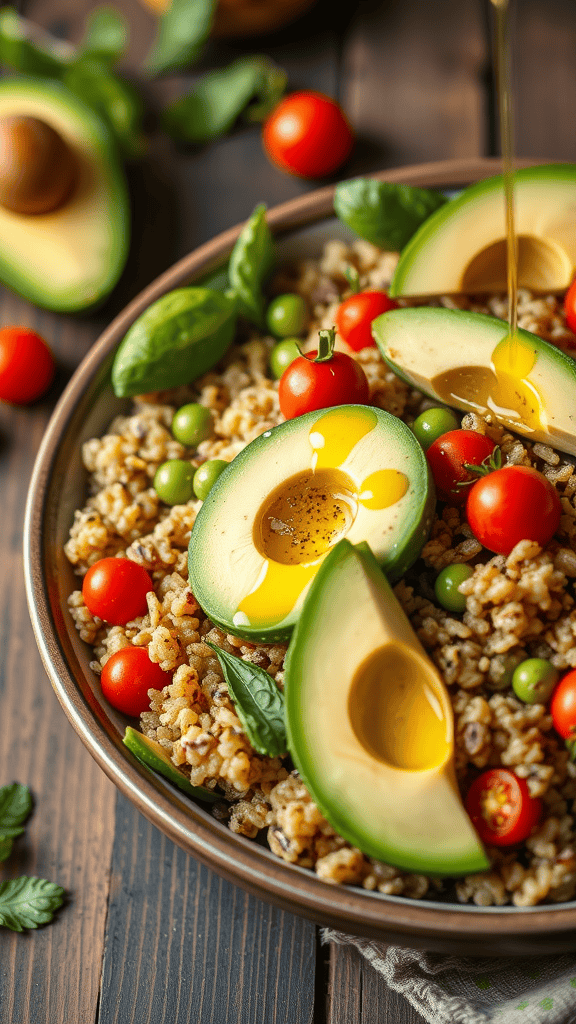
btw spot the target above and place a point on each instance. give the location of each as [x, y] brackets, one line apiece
[505, 106]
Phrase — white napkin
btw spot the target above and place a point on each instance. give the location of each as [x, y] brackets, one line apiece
[468, 990]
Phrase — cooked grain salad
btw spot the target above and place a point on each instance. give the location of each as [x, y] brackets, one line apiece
[516, 607]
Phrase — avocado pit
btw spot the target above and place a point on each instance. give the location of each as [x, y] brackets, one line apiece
[37, 168]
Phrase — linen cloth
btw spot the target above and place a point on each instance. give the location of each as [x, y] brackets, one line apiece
[470, 990]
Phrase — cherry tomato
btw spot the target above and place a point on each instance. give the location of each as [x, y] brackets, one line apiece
[448, 456]
[26, 365]
[501, 808]
[115, 590]
[512, 504]
[306, 385]
[355, 315]
[563, 706]
[307, 134]
[126, 678]
[570, 307]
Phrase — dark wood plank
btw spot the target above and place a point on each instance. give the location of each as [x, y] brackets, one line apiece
[185, 947]
[358, 994]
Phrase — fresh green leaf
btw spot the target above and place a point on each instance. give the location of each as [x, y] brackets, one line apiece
[5, 848]
[258, 702]
[15, 806]
[250, 263]
[106, 34]
[28, 902]
[182, 31]
[218, 98]
[174, 341]
[113, 98]
[382, 212]
[29, 50]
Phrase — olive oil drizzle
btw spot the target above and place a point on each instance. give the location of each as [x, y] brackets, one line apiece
[503, 83]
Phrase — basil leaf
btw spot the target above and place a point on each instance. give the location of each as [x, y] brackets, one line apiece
[218, 98]
[250, 263]
[382, 212]
[27, 902]
[113, 98]
[183, 29]
[174, 341]
[15, 806]
[106, 34]
[26, 48]
[5, 848]
[258, 702]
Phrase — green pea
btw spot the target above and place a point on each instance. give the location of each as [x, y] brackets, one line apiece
[173, 481]
[192, 424]
[446, 586]
[283, 353]
[431, 424]
[287, 315]
[206, 475]
[534, 679]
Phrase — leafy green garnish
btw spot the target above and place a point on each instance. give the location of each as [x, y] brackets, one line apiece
[384, 213]
[28, 902]
[182, 31]
[29, 50]
[106, 34]
[258, 702]
[250, 263]
[251, 86]
[5, 848]
[15, 806]
[113, 98]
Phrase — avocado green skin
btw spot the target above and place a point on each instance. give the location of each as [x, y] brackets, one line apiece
[332, 575]
[545, 172]
[140, 746]
[104, 152]
[203, 580]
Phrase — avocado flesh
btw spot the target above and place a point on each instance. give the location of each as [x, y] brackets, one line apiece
[153, 755]
[412, 818]
[71, 258]
[241, 579]
[467, 360]
[462, 246]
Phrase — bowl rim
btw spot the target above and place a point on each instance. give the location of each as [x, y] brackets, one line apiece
[417, 923]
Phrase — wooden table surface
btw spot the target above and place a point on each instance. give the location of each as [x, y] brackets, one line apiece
[147, 934]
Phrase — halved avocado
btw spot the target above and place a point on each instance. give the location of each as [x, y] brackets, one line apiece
[370, 724]
[462, 246]
[153, 755]
[70, 258]
[289, 496]
[469, 361]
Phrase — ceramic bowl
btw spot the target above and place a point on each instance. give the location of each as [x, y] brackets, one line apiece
[58, 487]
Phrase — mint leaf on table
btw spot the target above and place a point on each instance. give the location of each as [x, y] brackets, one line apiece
[116, 100]
[28, 902]
[383, 212]
[250, 263]
[258, 702]
[15, 806]
[182, 31]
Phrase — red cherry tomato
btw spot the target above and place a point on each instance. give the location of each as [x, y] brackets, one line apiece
[563, 706]
[126, 678]
[447, 457]
[512, 504]
[26, 365]
[115, 590]
[306, 385]
[570, 307]
[355, 315]
[307, 134]
[501, 808]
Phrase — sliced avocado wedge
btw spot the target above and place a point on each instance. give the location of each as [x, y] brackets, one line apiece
[468, 361]
[70, 258]
[153, 755]
[287, 498]
[370, 724]
[462, 246]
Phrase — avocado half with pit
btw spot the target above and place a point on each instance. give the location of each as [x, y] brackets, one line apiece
[462, 246]
[370, 725]
[469, 361]
[289, 496]
[70, 258]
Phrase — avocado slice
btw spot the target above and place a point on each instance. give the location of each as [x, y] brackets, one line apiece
[71, 258]
[153, 755]
[289, 496]
[469, 361]
[462, 246]
[370, 724]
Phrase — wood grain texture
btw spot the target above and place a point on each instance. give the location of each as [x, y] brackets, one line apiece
[358, 994]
